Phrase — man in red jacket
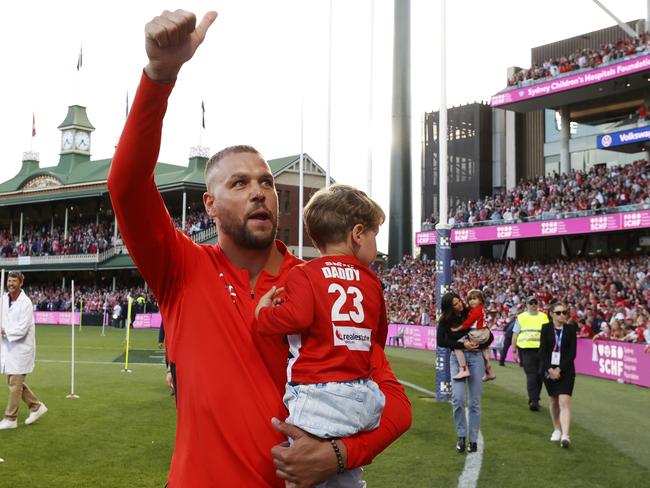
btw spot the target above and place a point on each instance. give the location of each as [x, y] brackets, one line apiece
[229, 380]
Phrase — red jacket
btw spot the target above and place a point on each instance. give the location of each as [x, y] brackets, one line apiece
[477, 315]
[334, 308]
[230, 381]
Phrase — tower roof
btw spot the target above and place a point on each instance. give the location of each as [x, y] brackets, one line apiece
[76, 117]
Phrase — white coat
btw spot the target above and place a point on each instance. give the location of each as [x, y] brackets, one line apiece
[18, 345]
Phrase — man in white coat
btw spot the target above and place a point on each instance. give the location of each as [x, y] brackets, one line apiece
[18, 351]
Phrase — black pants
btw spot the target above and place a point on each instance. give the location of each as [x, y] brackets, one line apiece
[530, 362]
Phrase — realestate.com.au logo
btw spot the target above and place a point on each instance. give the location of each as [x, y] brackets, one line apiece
[354, 338]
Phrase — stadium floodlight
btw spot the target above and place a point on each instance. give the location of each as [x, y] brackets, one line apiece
[72, 394]
[128, 335]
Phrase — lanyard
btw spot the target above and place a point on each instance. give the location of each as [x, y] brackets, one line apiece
[558, 340]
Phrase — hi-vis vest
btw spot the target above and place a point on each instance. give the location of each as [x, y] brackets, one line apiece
[531, 329]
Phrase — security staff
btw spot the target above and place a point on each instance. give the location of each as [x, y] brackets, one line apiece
[525, 336]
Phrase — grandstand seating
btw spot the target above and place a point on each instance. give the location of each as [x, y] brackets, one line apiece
[612, 291]
[578, 193]
[88, 237]
[583, 59]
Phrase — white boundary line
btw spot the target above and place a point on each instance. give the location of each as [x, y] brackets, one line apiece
[472, 469]
[473, 461]
[62, 361]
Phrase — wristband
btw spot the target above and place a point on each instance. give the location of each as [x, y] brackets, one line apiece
[339, 458]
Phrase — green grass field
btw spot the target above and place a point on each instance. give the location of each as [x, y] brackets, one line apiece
[120, 432]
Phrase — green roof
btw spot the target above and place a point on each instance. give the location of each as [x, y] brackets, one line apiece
[279, 164]
[74, 171]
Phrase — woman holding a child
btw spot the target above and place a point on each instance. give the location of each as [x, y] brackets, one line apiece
[451, 334]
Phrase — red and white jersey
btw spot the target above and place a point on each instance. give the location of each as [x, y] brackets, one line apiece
[333, 310]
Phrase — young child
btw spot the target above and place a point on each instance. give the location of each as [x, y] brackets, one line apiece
[478, 333]
[333, 308]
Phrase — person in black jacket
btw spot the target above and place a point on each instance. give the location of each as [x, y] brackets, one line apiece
[507, 336]
[453, 314]
[557, 354]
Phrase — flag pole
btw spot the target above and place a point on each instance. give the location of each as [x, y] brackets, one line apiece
[72, 393]
[301, 184]
[371, 84]
[202, 129]
[79, 65]
[2, 294]
[329, 103]
[31, 141]
[128, 335]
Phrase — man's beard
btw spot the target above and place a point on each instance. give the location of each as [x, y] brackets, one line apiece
[238, 231]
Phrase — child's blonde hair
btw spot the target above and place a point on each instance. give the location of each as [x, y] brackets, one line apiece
[333, 212]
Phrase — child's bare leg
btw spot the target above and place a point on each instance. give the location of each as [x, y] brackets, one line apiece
[489, 373]
[463, 371]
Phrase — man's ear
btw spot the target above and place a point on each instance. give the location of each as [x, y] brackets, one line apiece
[208, 203]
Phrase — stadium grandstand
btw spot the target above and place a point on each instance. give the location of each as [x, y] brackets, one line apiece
[548, 194]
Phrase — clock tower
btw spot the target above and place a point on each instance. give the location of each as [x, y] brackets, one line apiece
[75, 138]
[75, 132]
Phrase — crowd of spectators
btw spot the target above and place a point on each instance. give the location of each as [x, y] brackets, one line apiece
[583, 59]
[90, 299]
[195, 222]
[82, 238]
[607, 297]
[556, 196]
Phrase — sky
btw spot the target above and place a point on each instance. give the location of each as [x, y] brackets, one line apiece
[261, 61]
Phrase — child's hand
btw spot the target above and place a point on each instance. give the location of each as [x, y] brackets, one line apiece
[269, 299]
[277, 299]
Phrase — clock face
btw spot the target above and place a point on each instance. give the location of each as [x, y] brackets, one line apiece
[67, 138]
[82, 141]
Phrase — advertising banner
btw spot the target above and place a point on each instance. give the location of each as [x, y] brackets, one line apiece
[620, 138]
[141, 321]
[569, 82]
[544, 228]
[613, 360]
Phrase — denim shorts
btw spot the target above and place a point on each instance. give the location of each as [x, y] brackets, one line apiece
[334, 410]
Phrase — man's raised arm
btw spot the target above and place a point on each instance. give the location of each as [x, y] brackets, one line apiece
[170, 40]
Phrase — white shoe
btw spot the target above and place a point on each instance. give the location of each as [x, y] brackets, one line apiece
[34, 416]
[556, 436]
[565, 442]
[8, 424]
